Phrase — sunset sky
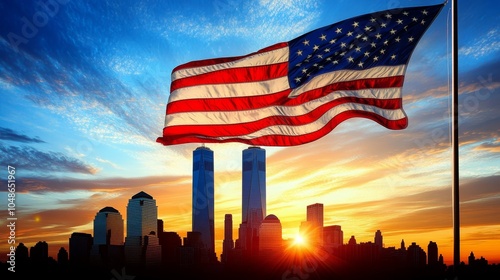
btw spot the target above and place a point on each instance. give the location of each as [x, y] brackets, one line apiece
[84, 87]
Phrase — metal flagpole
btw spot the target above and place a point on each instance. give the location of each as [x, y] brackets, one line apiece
[455, 144]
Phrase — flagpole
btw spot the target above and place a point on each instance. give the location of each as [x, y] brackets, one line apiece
[455, 144]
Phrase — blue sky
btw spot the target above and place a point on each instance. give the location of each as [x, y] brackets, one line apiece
[84, 87]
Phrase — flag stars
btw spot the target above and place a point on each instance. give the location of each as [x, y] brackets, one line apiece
[400, 21]
[382, 51]
[349, 33]
[368, 28]
[422, 22]
[364, 38]
[323, 37]
[319, 56]
[335, 62]
[333, 41]
[386, 42]
[351, 59]
[393, 57]
[299, 52]
[327, 50]
[414, 19]
[405, 13]
[338, 31]
[306, 42]
[410, 39]
[355, 24]
[397, 39]
[297, 80]
[388, 15]
[360, 64]
[375, 58]
[378, 36]
[315, 48]
[373, 20]
[367, 54]
[373, 44]
[343, 45]
[383, 25]
[358, 49]
[393, 31]
[425, 12]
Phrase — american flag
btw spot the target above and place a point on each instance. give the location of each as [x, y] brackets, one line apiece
[296, 92]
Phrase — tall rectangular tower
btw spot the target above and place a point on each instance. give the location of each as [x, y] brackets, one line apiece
[203, 197]
[315, 218]
[253, 195]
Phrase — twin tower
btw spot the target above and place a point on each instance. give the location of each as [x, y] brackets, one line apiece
[253, 196]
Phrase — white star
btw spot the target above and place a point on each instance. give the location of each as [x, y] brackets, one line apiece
[297, 80]
[364, 38]
[328, 59]
[323, 37]
[393, 31]
[342, 53]
[358, 49]
[393, 56]
[422, 22]
[397, 39]
[321, 67]
[375, 58]
[414, 19]
[388, 15]
[378, 36]
[367, 54]
[299, 52]
[316, 47]
[315, 64]
[410, 39]
[359, 36]
[304, 70]
[360, 64]
[373, 20]
[327, 50]
[298, 64]
[382, 51]
[386, 42]
[368, 28]
[306, 42]
[350, 59]
[424, 12]
[332, 41]
[355, 24]
[373, 45]
[319, 56]
[335, 62]
[338, 31]
[400, 21]
[349, 33]
[383, 24]
[343, 45]
[405, 13]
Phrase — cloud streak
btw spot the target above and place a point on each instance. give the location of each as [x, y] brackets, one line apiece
[11, 135]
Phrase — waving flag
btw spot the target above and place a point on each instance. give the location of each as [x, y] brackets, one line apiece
[296, 92]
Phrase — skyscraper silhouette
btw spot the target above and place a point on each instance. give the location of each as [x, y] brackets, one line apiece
[378, 239]
[203, 197]
[253, 197]
[228, 243]
[270, 235]
[141, 244]
[432, 253]
[315, 220]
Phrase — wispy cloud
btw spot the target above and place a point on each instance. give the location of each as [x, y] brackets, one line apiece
[11, 135]
[29, 158]
[487, 44]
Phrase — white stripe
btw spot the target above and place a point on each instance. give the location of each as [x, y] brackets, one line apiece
[280, 84]
[348, 75]
[244, 116]
[259, 59]
[230, 90]
[289, 130]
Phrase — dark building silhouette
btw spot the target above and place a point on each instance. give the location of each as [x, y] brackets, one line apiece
[270, 236]
[432, 253]
[333, 237]
[228, 242]
[170, 243]
[39, 254]
[417, 258]
[80, 245]
[378, 239]
[62, 257]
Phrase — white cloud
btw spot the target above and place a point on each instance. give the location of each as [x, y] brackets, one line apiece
[487, 44]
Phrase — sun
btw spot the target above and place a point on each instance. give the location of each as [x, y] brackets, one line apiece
[299, 240]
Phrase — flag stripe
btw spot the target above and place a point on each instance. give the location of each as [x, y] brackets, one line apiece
[277, 135]
[252, 88]
[274, 54]
[367, 89]
[245, 116]
[234, 75]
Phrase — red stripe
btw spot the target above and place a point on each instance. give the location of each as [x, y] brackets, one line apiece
[278, 99]
[234, 75]
[214, 130]
[207, 62]
[282, 140]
